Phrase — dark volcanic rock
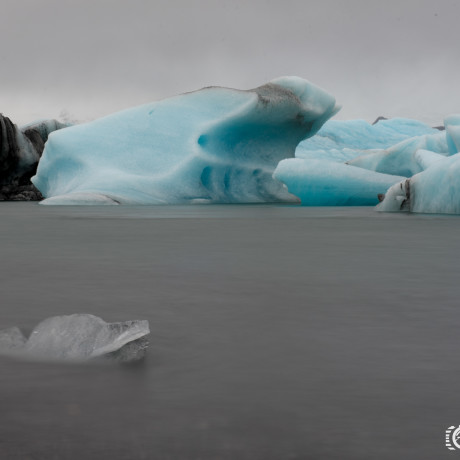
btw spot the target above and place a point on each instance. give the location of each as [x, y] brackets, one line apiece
[20, 151]
[439, 128]
[26, 192]
[379, 119]
[34, 137]
[43, 128]
[9, 150]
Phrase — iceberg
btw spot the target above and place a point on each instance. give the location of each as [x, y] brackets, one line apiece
[352, 163]
[349, 163]
[402, 158]
[79, 337]
[344, 140]
[328, 183]
[434, 190]
[435, 185]
[215, 145]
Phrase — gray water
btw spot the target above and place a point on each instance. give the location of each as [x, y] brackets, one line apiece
[278, 332]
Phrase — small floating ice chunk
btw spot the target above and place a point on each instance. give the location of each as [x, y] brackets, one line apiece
[80, 337]
[12, 339]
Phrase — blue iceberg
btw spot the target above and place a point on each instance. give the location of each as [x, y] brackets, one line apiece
[273, 143]
[328, 183]
[402, 159]
[215, 145]
[345, 165]
[341, 164]
[436, 188]
[343, 140]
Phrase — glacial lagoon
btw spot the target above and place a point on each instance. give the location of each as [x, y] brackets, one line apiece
[277, 332]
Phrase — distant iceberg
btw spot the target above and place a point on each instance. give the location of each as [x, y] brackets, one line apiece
[402, 158]
[328, 183]
[343, 140]
[350, 163]
[78, 337]
[433, 163]
[435, 190]
[215, 145]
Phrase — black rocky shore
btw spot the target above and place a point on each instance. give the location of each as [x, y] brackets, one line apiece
[20, 152]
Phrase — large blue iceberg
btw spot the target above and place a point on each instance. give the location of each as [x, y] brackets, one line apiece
[215, 145]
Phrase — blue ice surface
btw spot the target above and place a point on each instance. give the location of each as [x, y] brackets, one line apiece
[401, 159]
[452, 125]
[436, 187]
[435, 190]
[215, 145]
[320, 177]
[343, 140]
[328, 183]
[420, 173]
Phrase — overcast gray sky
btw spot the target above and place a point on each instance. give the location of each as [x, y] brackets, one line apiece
[93, 57]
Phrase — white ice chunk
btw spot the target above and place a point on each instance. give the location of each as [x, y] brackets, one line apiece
[396, 198]
[81, 337]
[435, 190]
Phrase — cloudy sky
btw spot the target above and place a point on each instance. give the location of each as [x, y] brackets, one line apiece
[83, 59]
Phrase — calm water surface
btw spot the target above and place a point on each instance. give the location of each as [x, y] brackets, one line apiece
[278, 332]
